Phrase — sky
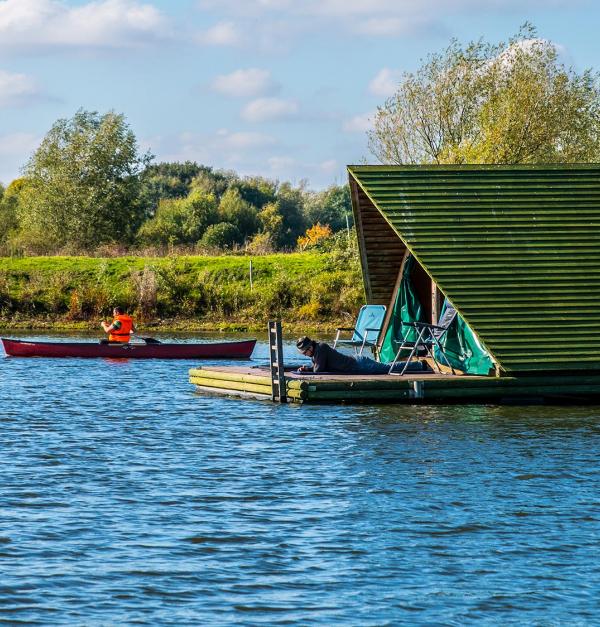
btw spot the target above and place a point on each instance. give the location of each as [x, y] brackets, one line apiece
[283, 89]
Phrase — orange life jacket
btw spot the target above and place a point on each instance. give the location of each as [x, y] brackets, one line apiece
[124, 333]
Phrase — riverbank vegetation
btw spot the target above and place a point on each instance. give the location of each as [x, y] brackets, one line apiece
[310, 289]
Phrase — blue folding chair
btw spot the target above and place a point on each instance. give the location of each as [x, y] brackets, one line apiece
[366, 330]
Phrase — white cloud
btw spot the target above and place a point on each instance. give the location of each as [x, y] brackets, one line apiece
[15, 150]
[267, 109]
[330, 166]
[359, 123]
[244, 7]
[371, 18]
[385, 82]
[16, 143]
[270, 36]
[287, 168]
[389, 26]
[275, 4]
[26, 24]
[529, 46]
[245, 83]
[280, 164]
[222, 149]
[221, 34]
[342, 8]
[17, 89]
[244, 140]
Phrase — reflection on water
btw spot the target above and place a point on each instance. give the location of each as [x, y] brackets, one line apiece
[127, 498]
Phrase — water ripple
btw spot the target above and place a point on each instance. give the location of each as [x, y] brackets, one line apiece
[126, 498]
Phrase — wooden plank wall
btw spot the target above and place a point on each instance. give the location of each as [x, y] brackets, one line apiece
[381, 248]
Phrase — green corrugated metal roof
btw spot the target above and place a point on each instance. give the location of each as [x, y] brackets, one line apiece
[515, 248]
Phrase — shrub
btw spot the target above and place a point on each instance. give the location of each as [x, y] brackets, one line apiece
[174, 285]
[310, 311]
[314, 236]
[221, 235]
[146, 284]
[6, 302]
[282, 295]
[261, 244]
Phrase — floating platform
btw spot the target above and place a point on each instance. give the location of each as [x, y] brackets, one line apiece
[255, 382]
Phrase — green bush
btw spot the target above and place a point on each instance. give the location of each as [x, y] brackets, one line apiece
[7, 304]
[221, 236]
[182, 221]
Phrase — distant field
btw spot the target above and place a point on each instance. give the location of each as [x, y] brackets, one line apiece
[317, 289]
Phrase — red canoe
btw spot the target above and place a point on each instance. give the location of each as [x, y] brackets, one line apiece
[231, 350]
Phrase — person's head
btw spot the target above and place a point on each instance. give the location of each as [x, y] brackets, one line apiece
[306, 346]
[118, 311]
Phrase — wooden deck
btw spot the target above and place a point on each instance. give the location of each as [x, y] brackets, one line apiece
[255, 382]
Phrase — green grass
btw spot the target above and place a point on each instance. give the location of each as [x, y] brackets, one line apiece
[304, 289]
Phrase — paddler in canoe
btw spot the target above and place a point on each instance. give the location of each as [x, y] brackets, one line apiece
[120, 329]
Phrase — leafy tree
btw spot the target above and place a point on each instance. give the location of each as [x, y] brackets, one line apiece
[215, 182]
[9, 201]
[282, 221]
[331, 206]
[271, 221]
[256, 190]
[82, 184]
[221, 235]
[484, 103]
[181, 221]
[290, 203]
[235, 210]
[168, 180]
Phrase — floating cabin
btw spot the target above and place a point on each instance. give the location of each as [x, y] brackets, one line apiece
[514, 249]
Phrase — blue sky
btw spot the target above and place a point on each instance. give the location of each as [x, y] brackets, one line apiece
[277, 88]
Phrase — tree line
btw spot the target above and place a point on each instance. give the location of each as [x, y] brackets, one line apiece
[89, 187]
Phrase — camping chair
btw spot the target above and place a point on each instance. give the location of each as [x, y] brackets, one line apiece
[366, 330]
[428, 340]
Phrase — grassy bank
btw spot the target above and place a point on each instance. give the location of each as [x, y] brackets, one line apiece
[306, 290]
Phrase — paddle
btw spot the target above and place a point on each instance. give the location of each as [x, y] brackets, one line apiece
[147, 340]
[150, 340]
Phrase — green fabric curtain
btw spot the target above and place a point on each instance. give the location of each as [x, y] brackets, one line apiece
[462, 347]
[463, 350]
[407, 308]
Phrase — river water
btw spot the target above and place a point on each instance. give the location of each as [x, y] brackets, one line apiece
[127, 498]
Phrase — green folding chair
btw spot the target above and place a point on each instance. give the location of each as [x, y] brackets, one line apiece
[429, 337]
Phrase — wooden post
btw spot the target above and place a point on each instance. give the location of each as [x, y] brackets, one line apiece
[436, 303]
[251, 286]
[278, 386]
